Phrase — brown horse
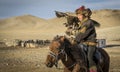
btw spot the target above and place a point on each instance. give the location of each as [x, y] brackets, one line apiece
[60, 49]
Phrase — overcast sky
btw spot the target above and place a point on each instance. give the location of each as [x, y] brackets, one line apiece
[45, 8]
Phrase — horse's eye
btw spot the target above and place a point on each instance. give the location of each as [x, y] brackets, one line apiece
[57, 48]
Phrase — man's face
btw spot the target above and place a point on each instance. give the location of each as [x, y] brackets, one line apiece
[80, 17]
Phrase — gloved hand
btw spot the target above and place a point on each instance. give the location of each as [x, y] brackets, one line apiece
[73, 32]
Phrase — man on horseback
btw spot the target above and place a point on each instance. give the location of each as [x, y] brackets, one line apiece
[85, 34]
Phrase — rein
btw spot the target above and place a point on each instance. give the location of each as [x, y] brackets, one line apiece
[57, 56]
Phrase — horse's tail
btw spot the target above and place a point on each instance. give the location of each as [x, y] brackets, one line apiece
[106, 59]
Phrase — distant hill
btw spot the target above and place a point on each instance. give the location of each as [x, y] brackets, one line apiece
[32, 27]
[106, 17]
[22, 22]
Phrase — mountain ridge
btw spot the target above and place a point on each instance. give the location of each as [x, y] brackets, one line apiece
[32, 27]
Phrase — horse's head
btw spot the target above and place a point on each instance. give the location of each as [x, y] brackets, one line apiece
[57, 51]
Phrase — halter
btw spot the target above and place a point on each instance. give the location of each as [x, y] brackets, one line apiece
[56, 56]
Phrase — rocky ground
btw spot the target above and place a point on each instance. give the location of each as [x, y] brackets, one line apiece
[32, 59]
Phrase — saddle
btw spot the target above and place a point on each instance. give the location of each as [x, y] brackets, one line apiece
[97, 55]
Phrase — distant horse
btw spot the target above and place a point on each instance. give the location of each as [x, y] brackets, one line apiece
[60, 49]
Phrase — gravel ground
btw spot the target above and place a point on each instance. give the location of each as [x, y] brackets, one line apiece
[32, 60]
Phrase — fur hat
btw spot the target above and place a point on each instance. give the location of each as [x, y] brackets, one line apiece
[85, 11]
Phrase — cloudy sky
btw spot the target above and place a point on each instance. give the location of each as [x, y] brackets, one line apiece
[45, 8]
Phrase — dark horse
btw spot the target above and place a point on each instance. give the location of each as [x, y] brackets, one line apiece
[60, 49]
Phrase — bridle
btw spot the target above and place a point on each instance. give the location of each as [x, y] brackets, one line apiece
[61, 52]
[56, 56]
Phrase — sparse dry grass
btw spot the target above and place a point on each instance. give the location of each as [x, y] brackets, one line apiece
[114, 53]
[24, 60]
[32, 60]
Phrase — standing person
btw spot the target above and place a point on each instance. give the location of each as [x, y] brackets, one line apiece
[86, 34]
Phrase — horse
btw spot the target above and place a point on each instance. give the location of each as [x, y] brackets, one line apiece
[60, 49]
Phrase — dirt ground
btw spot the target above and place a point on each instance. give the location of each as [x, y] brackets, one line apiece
[32, 59]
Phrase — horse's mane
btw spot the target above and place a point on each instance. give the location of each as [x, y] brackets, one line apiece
[66, 40]
[68, 47]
